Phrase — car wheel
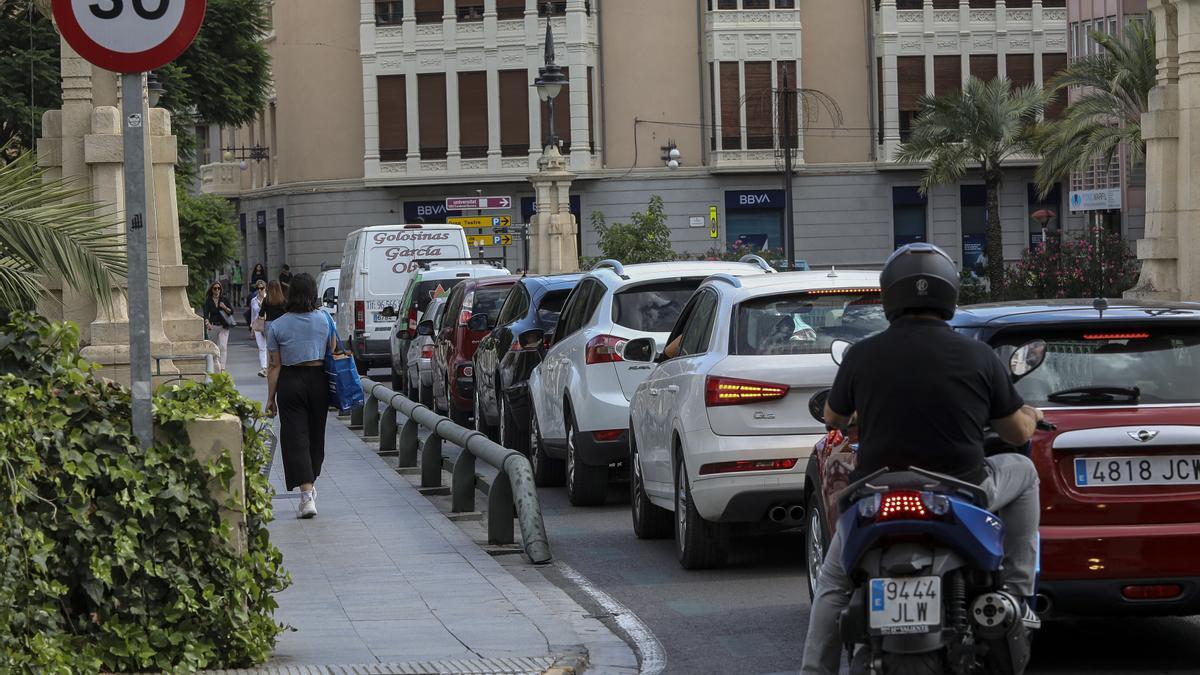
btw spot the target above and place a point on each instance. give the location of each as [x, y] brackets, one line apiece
[509, 437]
[397, 382]
[547, 471]
[427, 396]
[649, 521]
[481, 424]
[814, 543]
[460, 417]
[698, 543]
[586, 485]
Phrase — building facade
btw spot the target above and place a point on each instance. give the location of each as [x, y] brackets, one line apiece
[383, 109]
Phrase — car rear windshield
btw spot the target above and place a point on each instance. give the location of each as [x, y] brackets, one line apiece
[551, 306]
[488, 300]
[806, 323]
[426, 291]
[1161, 362]
[653, 308]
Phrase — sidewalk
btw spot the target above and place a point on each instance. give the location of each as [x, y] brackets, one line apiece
[384, 583]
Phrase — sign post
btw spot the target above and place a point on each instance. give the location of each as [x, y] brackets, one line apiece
[131, 38]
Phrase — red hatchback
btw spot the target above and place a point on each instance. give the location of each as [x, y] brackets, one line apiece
[1120, 475]
[455, 341]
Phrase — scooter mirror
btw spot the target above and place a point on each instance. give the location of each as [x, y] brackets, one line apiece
[1027, 358]
[838, 350]
[816, 405]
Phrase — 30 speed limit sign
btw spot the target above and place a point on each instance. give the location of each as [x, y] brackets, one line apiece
[129, 36]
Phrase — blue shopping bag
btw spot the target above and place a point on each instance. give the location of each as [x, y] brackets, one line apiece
[345, 389]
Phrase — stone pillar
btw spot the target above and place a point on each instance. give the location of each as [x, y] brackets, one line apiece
[552, 248]
[212, 438]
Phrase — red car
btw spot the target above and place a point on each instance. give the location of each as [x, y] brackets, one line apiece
[456, 339]
[1120, 476]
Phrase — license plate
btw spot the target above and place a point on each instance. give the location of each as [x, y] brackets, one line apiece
[380, 318]
[908, 605]
[1116, 471]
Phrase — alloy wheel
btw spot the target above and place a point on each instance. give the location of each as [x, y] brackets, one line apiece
[816, 555]
[570, 457]
[503, 428]
[681, 505]
[638, 489]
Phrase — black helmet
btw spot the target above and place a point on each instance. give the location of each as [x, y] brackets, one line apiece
[919, 276]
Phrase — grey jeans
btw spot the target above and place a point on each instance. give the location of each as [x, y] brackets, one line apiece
[1012, 489]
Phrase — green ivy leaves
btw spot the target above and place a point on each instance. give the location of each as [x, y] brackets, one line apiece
[110, 557]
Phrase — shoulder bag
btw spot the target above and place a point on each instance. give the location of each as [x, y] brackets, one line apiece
[345, 389]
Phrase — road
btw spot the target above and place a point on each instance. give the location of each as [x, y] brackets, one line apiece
[750, 617]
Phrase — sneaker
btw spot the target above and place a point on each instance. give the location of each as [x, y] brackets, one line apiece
[308, 505]
[262, 373]
[1029, 617]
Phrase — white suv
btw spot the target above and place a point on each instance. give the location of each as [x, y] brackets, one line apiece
[721, 432]
[580, 392]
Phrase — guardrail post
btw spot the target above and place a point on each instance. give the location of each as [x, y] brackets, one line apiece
[356, 418]
[500, 511]
[462, 484]
[431, 461]
[371, 416]
[407, 444]
[387, 430]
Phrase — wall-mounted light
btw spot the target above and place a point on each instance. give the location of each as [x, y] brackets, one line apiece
[671, 154]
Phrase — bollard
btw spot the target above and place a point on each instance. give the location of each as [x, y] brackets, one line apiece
[407, 444]
[356, 418]
[431, 462]
[371, 416]
[500, 511]
[462, 483]
[387, 431]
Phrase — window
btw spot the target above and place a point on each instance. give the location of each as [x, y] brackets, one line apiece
[1020, 69]
[945, 4]
[727, 4]
[510, 9]
[910, 4]
[557, 8]
[910, 75]
[731, 104]
[393, 118]
[1053, 64]
[983, 4]
[652, 308]
[473, 105]
[973, 212]
[759, 100]
[453, 307]
[756, 4]
[800, 323]
[486, 300]
[389, 12]
[572, 317]
[428, 11]
[591, 127]
[515, 305]
[947, 74]
[550, 306]
[1073, 41]
[514, 113]
[431, 111]
[908, 216]
[697, 332]
[468, 10]
[426, 291]
[983, 66]
[1112, 26]
[562, 114]
[785, 4]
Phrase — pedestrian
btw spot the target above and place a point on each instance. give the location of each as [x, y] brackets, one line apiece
[285, 276]
[218, 319]
[235, 278]
[258, 327]
[271, 307]
[298, 389]
[259, 273]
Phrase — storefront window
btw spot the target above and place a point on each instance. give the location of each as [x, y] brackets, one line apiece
[908, 215]
[973, 209]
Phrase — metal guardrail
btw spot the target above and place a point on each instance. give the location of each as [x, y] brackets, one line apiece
[512, 489]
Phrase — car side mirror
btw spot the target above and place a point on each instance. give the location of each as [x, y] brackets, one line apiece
[816, 405]
[478, 322]
[388, 312]
[532, 339]
[838, 350]
[425, 328]
[1026, 358]
[640, 350]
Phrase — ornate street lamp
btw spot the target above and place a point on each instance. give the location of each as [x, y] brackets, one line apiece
[550, 80]
[154, 89]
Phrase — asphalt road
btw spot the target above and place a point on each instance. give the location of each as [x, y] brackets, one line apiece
[750, 617]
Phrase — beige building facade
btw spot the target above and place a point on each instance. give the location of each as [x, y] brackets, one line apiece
[383, 109]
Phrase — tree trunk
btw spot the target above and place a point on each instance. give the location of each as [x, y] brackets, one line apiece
[994, 248]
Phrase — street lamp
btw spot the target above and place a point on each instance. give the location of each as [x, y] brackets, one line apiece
[550, 80]
[1043, 216]
[154, 89]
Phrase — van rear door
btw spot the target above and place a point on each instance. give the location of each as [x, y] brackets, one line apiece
[391, 262]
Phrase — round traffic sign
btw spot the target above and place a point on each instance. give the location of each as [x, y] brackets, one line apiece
[129, 36]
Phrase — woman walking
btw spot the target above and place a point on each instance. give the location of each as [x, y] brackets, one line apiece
[298, 389]
[218, 319]
[259, 273]
[258, 327]
[270, 307]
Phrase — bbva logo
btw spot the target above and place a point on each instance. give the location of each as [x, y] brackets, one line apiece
[754, 199]
[431, 210]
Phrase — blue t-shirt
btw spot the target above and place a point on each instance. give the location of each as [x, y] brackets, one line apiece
[299, 337]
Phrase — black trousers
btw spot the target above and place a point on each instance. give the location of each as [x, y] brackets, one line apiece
[302, 395]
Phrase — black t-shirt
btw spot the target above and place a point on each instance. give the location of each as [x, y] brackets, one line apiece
[923, 394]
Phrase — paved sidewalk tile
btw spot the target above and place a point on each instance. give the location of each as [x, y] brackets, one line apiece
[382, 577]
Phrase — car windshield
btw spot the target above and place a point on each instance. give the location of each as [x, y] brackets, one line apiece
[806, 323]
[487, 300]
[1160, 362]
[653, 308]
[551, 306]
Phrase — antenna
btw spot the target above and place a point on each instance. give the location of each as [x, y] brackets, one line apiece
[832, 273]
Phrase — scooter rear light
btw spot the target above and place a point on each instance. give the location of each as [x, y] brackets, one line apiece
[1152, 592]
[902, 505]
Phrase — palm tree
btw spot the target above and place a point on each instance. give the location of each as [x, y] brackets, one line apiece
[1115, 91]
[49, 227]
[980, 126]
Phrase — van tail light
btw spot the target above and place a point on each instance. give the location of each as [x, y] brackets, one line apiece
[720, 391]
[427, 352]
[603, 349]
[748, 465]
[360, 315]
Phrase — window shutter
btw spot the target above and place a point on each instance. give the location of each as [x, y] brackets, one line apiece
[514, 113]
[731, 103]
[759, 106]
[510, 9]
[393, 118]
[983, 66]
[1053, 64]
[431, 105]
[1020, 70]
[473, 114]
[947, 74]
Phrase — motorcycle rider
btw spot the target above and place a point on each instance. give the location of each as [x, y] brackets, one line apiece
[922, 394]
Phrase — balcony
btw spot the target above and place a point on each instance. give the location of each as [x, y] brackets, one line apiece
[223, 179]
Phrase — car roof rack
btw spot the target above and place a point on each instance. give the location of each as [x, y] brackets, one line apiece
[726, 277]
[614, 265]
[757, 260]
[427, 263]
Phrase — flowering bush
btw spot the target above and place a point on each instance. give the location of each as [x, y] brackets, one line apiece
[735, 251]
[1096, 263]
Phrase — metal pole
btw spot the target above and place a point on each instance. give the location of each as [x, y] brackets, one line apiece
[789, 222]
[134, 158]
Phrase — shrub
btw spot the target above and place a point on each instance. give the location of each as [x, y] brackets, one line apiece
[1097, 263]
[646, 239]
[736, 251]
[112, 557]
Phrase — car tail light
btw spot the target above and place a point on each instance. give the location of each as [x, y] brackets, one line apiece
[720, 391]
[748, 465]
[360, 315]
[1152, 592]
[1115, 336]
[466, 370]
[412, 320]
[603, 349]
[464, 317]
[427, 352]
[607, 435]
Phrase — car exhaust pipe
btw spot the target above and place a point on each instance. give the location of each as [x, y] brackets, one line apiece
[1042, 603]
[796, 513]
[777, 514]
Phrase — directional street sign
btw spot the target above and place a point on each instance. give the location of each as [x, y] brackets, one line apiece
[464, 203]
[482, 222]
[489, 239]
[505, 239]
[129, 36]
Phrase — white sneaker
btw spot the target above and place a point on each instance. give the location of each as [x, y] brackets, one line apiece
[308, 505]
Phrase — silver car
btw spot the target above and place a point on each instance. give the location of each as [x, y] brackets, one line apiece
[420, 353]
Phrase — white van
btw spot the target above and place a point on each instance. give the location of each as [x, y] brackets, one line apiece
[327, 289]
[377, 265]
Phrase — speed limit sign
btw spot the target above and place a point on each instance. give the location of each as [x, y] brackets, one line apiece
[129, 36]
